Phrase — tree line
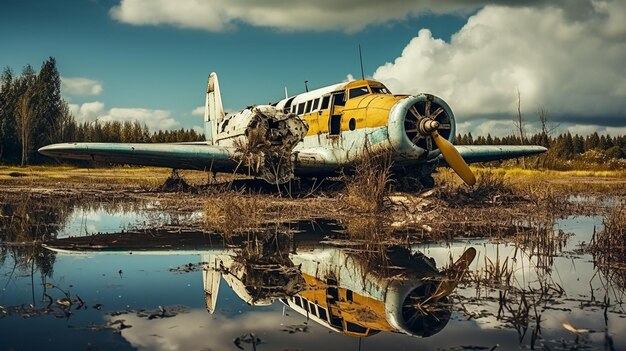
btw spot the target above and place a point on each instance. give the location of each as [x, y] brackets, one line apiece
[564, 145]
[565, 151]
[33, 114]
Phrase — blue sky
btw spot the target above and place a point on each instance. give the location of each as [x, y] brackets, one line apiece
[149, 60]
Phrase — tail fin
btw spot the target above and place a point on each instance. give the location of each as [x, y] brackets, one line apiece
[213, 109]
[211, 277]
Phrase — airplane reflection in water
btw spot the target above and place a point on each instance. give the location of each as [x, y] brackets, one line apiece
[355, 292]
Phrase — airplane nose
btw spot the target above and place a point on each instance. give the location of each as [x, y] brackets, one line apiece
[428, 126]
[424, 116]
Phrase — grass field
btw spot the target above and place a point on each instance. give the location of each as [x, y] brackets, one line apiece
[131, 176]
[152, 176]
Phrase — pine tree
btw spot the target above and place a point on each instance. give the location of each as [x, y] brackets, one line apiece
[8, 133]
[49, 109]
[592, 141]
[579, 144]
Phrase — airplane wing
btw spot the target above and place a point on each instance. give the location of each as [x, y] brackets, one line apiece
[485, 153]
[200, 156]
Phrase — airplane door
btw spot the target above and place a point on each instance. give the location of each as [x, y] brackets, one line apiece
[332, 297]
[338, 102]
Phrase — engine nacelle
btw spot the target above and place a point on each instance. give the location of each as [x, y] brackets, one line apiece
[409, 125]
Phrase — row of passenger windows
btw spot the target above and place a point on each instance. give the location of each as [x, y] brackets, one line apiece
[312, 105]
[321, 312]
[316, 310]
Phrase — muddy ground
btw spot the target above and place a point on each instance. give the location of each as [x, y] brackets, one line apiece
[496, 206]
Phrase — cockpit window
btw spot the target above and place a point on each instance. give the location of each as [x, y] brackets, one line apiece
[354, 92]
[325, 101]
[380, 90]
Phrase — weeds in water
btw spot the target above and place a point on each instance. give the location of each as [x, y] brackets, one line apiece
[233, 212]
[494, 274]
[609, 245]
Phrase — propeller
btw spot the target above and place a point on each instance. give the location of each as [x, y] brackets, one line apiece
[454, 275]
[454, 159]
[427, 125]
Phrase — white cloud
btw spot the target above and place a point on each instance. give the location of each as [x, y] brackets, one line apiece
[154, 119]
[585, 129]
[198, 111]
[189, 330]
[571, 67]
[88, 111]
[216, 15]
[198, 129]
[346, 15]
[492, 127]
[80, 86]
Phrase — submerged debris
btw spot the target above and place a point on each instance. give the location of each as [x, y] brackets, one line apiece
[250, 338]
[298, 328]
[189, 267]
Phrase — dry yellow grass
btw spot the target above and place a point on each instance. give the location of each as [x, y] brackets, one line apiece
[563, 182]
[513, 172]
[131, 176]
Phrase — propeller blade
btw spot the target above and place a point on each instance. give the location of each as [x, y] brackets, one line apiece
[454, 274]
[454, 159]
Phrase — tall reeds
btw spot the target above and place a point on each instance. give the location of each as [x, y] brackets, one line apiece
[609, 245]
[367, 189]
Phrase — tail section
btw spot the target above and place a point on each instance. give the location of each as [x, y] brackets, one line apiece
[213, 109]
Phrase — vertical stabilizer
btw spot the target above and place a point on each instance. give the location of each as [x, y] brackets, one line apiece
[213, 109]
[211, 277]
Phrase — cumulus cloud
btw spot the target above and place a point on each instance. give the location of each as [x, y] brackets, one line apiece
[574, 68]
[87, 112]
[216, 15]
[198, 111]
[346, 15]
[198, 129]
[80, 86]
[585, 129]
[189, 330]
[154, 119]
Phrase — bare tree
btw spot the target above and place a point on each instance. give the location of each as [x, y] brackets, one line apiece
[25, 121]
[547, 128]
[519, 122]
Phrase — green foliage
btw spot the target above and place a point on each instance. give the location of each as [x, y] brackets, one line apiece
[33, 114]
[566, 151]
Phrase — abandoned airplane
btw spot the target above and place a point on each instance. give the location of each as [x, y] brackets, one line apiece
[313, 134]
[394, 290]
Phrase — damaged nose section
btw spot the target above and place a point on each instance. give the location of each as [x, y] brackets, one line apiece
[270, 137]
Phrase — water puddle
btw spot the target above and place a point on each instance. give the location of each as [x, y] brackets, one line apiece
[103, 219]
[44, 219]
[308, 289]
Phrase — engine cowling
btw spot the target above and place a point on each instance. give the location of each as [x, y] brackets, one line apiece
[413, 119]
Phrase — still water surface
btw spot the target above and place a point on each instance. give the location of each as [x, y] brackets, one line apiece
[307, 294]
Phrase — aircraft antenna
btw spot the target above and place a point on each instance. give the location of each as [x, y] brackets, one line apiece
[286, 93]
[361, 61]
[306, 85]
